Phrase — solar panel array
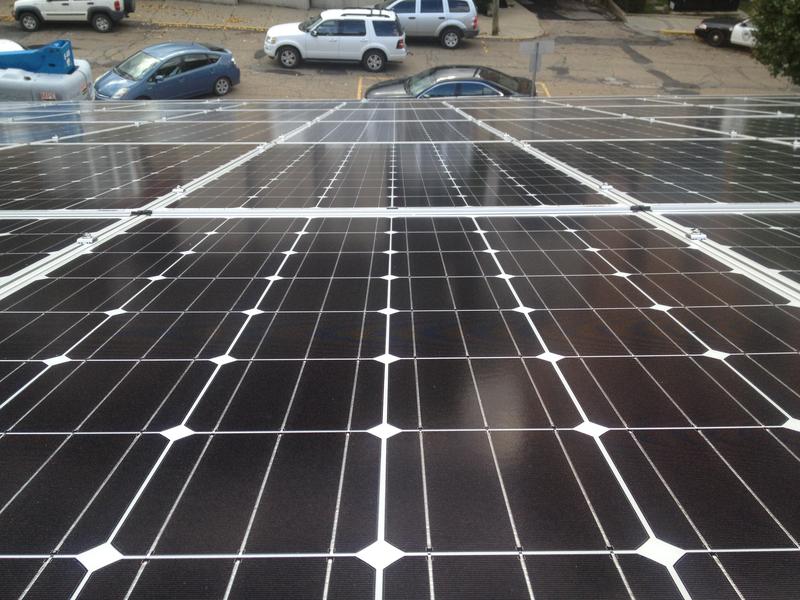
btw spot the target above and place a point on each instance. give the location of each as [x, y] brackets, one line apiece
[528, 349]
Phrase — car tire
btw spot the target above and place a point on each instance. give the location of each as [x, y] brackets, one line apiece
[222, 86]
[374, 61]
[450, 38]
[102, 22]
[715, 37]
[29, 21]
[288, 57]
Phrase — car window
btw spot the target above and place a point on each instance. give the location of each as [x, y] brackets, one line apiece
[349, 27]
[441, 90]
[169, 68]
[386, 28]
[193, 61]
[431, 6]
[476, 89]
[405, 7]
[503, 80]
[137, 66]
[328, 28]
[458, 6]
[213, 59]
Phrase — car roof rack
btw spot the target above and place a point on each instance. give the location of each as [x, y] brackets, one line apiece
[373, 12]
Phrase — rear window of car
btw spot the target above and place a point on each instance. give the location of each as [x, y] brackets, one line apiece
[405, 7]
[387, 28]
[458, 6]
[349, 27]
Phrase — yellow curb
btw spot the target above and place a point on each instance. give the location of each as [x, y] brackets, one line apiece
[675, 32]
[212, 26]
[6, 18]
[544, 88]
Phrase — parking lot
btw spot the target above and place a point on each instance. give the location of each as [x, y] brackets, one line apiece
[594, 55]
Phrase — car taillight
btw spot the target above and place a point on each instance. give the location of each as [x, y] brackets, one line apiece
[400, 44]
[475, 22]
[116, 5]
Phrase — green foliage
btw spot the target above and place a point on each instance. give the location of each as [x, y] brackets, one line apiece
[778, 47]
[632, 6]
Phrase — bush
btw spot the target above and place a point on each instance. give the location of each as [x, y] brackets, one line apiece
[632, 6]
[778, 47]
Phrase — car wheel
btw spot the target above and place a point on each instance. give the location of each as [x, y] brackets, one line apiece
[222, 86]
[102, 23]
[716, 37]
[29, 21]
[288, 57]
[450, 38]
[374, 61]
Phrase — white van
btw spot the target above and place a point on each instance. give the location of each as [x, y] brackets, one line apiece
[448, 20]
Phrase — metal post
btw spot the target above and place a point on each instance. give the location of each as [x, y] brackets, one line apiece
[533, 71]
[495, 17]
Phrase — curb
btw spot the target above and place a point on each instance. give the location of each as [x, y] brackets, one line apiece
[211, 26]
[676, 32]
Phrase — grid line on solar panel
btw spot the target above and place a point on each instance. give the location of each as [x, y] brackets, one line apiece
[428, 175]
[772, 241]
[98, 176]
[690, 171]
[594, 129]
[431, 441]
[23, 243]
[460, 391]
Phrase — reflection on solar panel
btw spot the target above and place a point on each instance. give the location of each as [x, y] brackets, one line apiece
[532, 349]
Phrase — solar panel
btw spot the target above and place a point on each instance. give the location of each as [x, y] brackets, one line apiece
[393, 350]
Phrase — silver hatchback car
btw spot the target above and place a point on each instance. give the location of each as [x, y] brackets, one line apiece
[448, 20]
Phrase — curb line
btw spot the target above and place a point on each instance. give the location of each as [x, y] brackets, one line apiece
[676, 32]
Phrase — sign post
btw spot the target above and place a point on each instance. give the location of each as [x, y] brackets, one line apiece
[536, 49]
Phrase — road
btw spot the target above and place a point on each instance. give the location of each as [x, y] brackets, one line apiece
[593, 56]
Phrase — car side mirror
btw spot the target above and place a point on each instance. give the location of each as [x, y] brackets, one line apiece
[158, 78]
[314, 33]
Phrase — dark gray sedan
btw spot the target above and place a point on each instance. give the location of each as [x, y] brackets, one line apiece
[452, 81]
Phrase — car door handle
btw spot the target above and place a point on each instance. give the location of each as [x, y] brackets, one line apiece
[411, 18]
[441, 18]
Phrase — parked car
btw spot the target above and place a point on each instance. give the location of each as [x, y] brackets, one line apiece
[442, 82]
[170, 70]
[371, 37]
[48, 72]
[448, 20]
[722, 30]
[102, 14]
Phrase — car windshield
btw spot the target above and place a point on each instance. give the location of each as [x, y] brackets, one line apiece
[416, 84]
[510, 83]
[137, 66]
[309, 23]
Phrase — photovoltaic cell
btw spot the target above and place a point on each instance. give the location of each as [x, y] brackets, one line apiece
[396, 355]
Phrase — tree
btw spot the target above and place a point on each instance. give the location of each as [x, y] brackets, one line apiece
[778, 47]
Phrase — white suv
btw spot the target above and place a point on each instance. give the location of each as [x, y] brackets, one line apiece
[448, 20]
[102, 14]
[371, 37]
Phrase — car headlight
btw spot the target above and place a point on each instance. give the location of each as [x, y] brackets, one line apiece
[271, 40]
[120, 93]
[233, 59]
[702, 26]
